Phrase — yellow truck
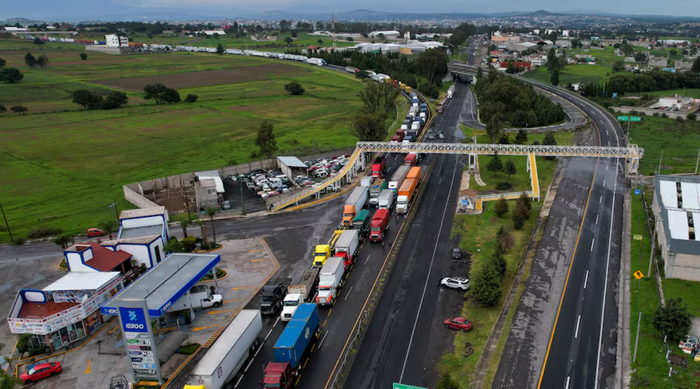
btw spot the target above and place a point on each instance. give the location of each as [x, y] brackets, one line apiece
[325, 251]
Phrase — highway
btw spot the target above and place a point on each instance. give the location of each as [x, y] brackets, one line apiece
[406, 338]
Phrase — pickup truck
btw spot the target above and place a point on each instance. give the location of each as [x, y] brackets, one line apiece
[200, 296]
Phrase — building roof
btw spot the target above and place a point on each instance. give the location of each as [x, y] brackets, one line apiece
[104, 259]
[292, 162]
[214, 175]
[139, 232]
[679, 202]
[77, 280]
[41, 310]
[141, 212]
[136, 240]
[168, 281]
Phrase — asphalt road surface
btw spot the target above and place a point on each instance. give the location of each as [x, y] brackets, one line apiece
[406, 336]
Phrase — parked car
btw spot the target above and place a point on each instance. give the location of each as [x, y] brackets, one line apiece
[40, 371]
[95, 232]
[431, 137]
[226, 205]
[455, 282]
[456, 253]
[308, 163]
[458, 323]
[441, 136]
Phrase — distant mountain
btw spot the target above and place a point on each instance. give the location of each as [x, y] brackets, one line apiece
[540, 13]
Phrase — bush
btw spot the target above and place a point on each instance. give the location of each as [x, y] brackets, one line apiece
[188, 348]
[692, 116]
[656, 114]
[37, 351]
[673, 319]
[294, 88]
[19, 240]
[191, 98]
[498, 263]
[501, 207]
[446, 383]
[504, 185]
[205, 246]
[83, 56]
[663, 115]
[43, 231]
[679, 119]
[486, 286]
[19, 109]
[188, 243]
[518, 220]
[2, 109]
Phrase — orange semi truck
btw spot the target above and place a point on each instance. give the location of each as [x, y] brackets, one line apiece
[408, 190]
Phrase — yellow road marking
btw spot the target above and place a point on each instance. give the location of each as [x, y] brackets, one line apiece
[88, 370]
[324, 322]
[220, 311]
[297, 381]
[305, 362]
[204, 328]
[113, 330]
[231, 301]
[260, 260]
[255, 251]
[329, 312]
[243, 287]
[313, 347]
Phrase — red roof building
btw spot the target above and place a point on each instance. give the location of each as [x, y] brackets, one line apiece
[94, 257]
[517, 64]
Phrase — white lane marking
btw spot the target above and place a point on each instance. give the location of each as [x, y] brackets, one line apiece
[427, 277]
[608, 143]
[348, 294]
[601, 199]
[238, 382]
[367, 258]
[603, 181]
[578, 323]
[324, 338]
[596, 219]
[585, 282]
[606, 167]
[568, 378]
[273, 327]
[592, 243]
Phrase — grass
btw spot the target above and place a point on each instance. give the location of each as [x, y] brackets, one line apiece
[477, 235]
[689, 92]
[679, 143]
[63, 169]
[573, 74]
[650, 364]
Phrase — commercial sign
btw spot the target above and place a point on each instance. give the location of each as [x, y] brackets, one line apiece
[140, 343]
[133, 319]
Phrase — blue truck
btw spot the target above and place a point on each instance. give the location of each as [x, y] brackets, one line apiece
[291, 347]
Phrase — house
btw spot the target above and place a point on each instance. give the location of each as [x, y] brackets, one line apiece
[676, 207]
[517, 64]
[208, 189]
[93, 257]
[113, 40]
[65, 311]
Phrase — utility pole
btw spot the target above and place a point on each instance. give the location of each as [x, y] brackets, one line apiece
[698, 162]
[658, 171]
[6, 224]
[116, 210]
[242, 202]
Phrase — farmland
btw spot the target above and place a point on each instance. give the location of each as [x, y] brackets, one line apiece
[678, 141]
[62, 165]
[573, 74]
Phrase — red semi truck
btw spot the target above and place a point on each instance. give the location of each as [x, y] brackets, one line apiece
[379, 167]
[410, 160]
[380, 223]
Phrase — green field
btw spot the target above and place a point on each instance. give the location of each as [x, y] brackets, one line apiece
[690, 92]
[62, 168]
[678, 141]
[573, 74]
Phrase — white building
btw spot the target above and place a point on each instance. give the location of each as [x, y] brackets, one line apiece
[212, 32]
[113, 40]
[676, 207]
[385, 34]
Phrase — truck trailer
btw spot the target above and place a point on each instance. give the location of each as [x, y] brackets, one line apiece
[357, 200]
[300, 293]
[375, 190]
[229, 353]
[386, 199]
[398, 177]
[330, 281]
[361, 223]
[406, 192]
[291, 347]
[347, 247]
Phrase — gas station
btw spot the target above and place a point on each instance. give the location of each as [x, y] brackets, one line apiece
[141, 305]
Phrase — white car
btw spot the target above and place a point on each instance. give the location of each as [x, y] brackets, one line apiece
[321, 172]
[300, 178]
[455, 282]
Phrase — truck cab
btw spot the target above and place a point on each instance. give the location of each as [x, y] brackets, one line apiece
[321, 254]
[291, 302]
[278, 375]
[380, 223]
[272, 295]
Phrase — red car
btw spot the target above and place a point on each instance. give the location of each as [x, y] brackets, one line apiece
[95, 232]
[41, 370]
[459, 323]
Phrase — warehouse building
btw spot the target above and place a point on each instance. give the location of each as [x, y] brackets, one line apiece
[676, 207]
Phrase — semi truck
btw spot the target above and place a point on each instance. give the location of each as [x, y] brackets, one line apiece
[379, 167]
[450, 91]
[316, 61]
[375, 190]
[357, 200]
[330, 281]
[272, 297]
[386, 199]
[410, 160]
[366, 181]
[324, 251]
[300, 293]
[200, 296]
[291, 347]
[403, 200]
[396, 138]
[361, 223]
[229, 353]
[380, 223]
[347, 247]
[398, 177]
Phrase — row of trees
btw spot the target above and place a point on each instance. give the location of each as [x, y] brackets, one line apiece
[654, 80]
[42, 61]
[115, 99]
[378, 101]
[504, 99]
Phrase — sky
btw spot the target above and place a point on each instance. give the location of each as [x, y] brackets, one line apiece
[230, 8]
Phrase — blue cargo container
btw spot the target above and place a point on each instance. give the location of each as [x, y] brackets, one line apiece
[295, 338]
[101, 42]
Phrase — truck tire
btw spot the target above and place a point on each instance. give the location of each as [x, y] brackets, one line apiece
[217, 305]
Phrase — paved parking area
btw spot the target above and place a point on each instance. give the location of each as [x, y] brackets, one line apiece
[250, 264]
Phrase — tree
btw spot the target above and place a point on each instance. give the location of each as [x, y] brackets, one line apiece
[554, 77]
[378, 97]
[510, 69]
[509, 168]
[288, 40]
[640, 57]
[504, 240]
[501, 207]
[2, 109]
[432, 64]
[183, 225]
[495, 165]
[30, 60]
[8, 381]
[549, 139]
[429, 89]
[211, 212]
[493, 129]
[83, 56]
[618, 66]
[154, 91]
[86, 98]
[42, 61]
[486, 286]
[479, 73]
[2, 63]
[294, 88]
[369, 126]
[171, 96]
[266, 139]
[18, 109]
[673, 52]
[10, 75]
[191, 98]
[446, 383]
[521, 137]
[114, 99]
[294, 34]
[320, 42]
[39, 42]
[23, 344]
[696, 66]
[64, 240]
[518, 220]
[109, 227]
[691, 116]
[673, 320]
[220, 49]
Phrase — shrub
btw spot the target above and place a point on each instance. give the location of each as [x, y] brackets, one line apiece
[191, 98]
[37, 351]
[2, 108]
[504, 185]
[673, 320]
[19, 109]
[663, 115]
[486, 286]
[294, 88]
[188, 348]
[692, 116]
[679, 119]
[656, 114]
[83, 56]
[19, 240]
[43, 231]
[501, 207]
